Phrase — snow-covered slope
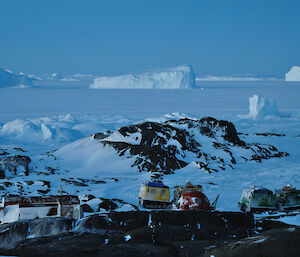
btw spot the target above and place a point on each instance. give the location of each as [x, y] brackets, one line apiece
[162, 148]
[9, 79]
[293, 74]
[171, 78]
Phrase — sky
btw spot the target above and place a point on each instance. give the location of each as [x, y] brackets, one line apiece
[110, 37]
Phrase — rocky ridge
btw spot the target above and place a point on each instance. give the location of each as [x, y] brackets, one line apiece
[211, 144]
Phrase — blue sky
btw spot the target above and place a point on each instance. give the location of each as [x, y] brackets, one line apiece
[221, 37]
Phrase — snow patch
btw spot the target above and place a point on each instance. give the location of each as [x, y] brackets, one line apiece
[88, 156]
[180, 77]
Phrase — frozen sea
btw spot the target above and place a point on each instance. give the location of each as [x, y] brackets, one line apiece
[218, 99]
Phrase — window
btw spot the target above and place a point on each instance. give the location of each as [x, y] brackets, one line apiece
[163, 192]
[153, 191]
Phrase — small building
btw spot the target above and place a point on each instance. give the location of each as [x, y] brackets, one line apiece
[14, 208]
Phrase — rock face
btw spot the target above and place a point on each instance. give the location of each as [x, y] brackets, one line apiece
[165, 147]
[274, 243]
[21, 230]
[155, 233]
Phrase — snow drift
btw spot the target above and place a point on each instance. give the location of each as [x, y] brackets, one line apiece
[171, 78]
[261, 108]
[293, 74]
[9, 79]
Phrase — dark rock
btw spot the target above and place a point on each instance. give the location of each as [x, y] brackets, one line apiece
[88, 198]
[7, 184]
[154, 233]
[86, 208]
[2, 174]
[99, 136]
[74, 182]
[12, 163]
[43, 192]
[113, 204]
[280, 242]
[12, 233]
[162, 147]
[107, 204]
[270, 134]
[86, 244]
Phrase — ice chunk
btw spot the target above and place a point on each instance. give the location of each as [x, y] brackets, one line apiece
[9, 79]
[293, 74]
[21, 130]
[261, 107]
[172, 78]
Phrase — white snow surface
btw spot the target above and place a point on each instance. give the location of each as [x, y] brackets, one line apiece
[293, 74]
[181, 77]
[9, 79]
[262, 108]
[45, 119]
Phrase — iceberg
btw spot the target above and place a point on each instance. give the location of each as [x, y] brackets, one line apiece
[181, 77]
[293, 74]
[261, 108]
[9, 79]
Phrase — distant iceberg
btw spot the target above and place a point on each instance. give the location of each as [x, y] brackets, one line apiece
[9, 79]
[261, 108]
[181, 77]
[293, 74]
[237, 78]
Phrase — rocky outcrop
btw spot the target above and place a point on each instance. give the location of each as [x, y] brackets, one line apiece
[165, 147]
[13, 164]
[278, 242]
[12, 233]
[155, 233]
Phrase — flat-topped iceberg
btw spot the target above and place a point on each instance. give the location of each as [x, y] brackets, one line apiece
[180, 77]
[9, 79]
[293, 74]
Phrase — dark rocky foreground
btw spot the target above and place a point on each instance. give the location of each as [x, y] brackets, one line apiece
[156, 233]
